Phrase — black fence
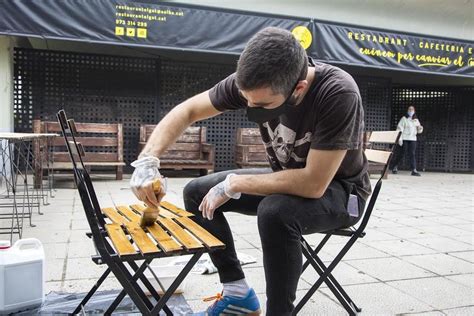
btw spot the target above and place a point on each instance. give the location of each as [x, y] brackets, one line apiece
[447, 117]
[134, 91]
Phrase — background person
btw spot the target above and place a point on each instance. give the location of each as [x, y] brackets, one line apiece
[410, 126]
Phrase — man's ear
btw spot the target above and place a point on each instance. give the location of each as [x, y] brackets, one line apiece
[302, 84]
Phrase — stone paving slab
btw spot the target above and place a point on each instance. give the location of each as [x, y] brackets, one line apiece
[383, 299]
[441, 264]
[439, 292]
[386, 269]
[465, 255]
[416, 259]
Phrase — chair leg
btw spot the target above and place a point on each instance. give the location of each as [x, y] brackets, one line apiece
[332, 279]
[187, 268]
[328, 282]
[38, 175]
[92, 291]
[150, 287]
[316, 250]
[145, 281]
[161, 304]
[339, 288]
[115, 303]
[131, 288]
[350, 308]
[119, 173]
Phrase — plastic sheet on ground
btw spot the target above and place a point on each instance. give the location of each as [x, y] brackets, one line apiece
[65, 303]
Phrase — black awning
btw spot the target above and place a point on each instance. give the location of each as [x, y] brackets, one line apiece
[205, 29]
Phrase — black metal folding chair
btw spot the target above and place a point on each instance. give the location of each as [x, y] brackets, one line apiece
[119, 240]
[380, 139]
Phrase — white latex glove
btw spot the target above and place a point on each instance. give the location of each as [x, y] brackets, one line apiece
[400, 141]
[146, 172]
[217, 196]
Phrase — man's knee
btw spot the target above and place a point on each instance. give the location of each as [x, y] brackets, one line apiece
[195, 191]
[274, 215]
[193, 195]
[191, 189]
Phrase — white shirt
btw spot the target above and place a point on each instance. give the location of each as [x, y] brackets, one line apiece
[409, 128]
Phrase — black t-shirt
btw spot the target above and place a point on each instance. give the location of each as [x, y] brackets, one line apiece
[330, 117]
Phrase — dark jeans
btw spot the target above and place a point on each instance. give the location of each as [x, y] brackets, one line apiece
[282, 219]
[408, 148]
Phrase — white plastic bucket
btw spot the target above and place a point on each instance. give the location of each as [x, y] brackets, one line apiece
[166, 274]
[22, 275]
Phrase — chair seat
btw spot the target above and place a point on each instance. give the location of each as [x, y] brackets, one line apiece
[348, 232]
[173, 232]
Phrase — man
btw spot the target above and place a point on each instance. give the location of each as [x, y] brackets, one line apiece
[311, 121]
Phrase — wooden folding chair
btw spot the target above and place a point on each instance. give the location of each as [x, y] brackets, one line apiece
[388, 138]
[119, 240]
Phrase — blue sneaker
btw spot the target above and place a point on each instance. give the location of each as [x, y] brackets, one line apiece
[231, 305]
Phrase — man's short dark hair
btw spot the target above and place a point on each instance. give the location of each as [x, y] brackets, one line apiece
[272, 58]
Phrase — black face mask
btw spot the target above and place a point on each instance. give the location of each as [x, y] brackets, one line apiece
[260, 115]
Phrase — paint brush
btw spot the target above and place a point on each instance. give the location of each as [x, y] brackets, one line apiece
[150, 213]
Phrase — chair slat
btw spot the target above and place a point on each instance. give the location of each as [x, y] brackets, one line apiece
[379, 156]
[165, 241]
[178, 211]
[388, 137]
[72, 126]
[180, 234]
[73, 148]
[120, 240]
[203, 235]
[114, 216]
[95, 157]
[141, 239]
[89, 141]
[128, 213]
[167, 214]
[82, 151]
[163, 212]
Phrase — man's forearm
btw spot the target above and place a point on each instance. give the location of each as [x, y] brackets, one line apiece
[167, 132]
[176, 121]
[294, 182]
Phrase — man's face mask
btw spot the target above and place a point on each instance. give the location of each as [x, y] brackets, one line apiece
[260, 115]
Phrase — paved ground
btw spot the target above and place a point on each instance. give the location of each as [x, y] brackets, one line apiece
[417, 257]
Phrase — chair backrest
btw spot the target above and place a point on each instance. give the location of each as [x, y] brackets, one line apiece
[255, 152]
[102, 142]
[83, 181]
[386, 140]
[187, 147]
[249, 136]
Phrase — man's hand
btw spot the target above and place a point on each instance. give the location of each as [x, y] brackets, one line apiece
[146, 172]
[217, 196]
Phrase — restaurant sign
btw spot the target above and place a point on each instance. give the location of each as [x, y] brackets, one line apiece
[196, 28]
[392, 50]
